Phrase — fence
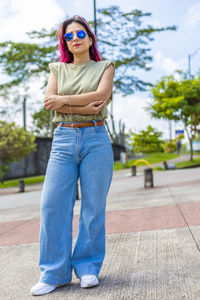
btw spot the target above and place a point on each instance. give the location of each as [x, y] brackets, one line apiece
[35, 164]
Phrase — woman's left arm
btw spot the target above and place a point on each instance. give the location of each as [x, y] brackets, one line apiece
[103, 92]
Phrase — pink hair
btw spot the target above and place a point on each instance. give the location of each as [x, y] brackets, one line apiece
[65, 54]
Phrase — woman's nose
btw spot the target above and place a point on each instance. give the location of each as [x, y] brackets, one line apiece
[75, 37]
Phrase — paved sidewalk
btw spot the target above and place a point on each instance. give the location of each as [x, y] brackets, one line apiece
[153, 241]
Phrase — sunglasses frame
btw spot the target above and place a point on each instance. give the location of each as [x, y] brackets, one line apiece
[71, 35]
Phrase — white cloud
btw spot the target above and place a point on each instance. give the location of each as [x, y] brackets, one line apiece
[193, 15]
[20, 16]
[131, 110]
[167, 64]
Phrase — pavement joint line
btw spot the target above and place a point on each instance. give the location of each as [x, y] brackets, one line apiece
[188, 226]
[111, 216]
[22, 222]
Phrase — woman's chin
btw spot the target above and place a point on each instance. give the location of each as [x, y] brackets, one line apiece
[79, 50]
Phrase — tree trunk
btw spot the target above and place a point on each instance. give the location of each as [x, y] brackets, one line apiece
[191, 150]
[190, 141]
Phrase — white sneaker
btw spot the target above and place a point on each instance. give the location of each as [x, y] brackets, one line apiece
[42, 288]
[89, 281]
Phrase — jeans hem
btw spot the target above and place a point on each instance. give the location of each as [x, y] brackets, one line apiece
[53, 280]
[85, 270]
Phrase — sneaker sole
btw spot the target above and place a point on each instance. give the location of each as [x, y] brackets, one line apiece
[40, 294]
[85, 286]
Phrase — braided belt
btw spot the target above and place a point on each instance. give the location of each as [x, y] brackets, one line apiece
[82, 124]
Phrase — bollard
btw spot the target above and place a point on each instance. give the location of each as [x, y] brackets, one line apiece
[133, 170]
[21, 186]
[148, 177]
[165, 165]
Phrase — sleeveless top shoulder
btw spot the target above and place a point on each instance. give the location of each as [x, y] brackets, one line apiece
[79, 79]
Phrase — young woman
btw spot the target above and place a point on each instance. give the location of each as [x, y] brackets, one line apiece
[78, 90]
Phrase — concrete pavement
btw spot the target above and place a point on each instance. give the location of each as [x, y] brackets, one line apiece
[153, 241]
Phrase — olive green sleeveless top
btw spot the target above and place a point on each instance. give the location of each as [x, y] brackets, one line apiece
[73, 79]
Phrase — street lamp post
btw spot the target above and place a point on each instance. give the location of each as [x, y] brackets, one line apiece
[24, 113]
[189, 65]
[189, 61]
[95, 31]
[95, 19]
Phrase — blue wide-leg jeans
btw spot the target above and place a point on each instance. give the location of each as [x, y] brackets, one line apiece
[84, 152]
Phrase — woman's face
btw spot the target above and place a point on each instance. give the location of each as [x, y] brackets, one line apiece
[76, 45]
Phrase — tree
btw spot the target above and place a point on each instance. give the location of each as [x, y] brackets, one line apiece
[42, 122]
[121, 37]
[147, 140]
[15, 143]
[24, 63]
[178, 101]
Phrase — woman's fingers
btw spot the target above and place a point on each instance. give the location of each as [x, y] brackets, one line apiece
[98, 102]
[48, 105]
[102, 104]
[47, 98]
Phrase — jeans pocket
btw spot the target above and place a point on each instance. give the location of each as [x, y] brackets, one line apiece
[57, 131]
[101, 129]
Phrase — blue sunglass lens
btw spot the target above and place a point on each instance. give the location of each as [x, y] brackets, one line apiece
[81, 34]
[69, 36]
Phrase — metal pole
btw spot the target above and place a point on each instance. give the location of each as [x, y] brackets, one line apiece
[24, 113]
[189, 61]
[95, 19]
[189, 65]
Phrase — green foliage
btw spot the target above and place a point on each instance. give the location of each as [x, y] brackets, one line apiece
[170, 147]
[22, 61]
[151, 158]
[188, 163]
[122, 37]
[3, 170]
[15, 143]
[179, 101]
[41, 122]
[180, 137]
[197, 137]
[27, 181]
[147, 140]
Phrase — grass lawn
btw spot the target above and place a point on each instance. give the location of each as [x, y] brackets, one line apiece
[151, 158]
[29, 180]
[188, 163]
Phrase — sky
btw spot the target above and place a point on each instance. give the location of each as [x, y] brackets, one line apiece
[170, 50]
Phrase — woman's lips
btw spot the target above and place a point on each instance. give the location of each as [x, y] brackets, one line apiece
[77, 45]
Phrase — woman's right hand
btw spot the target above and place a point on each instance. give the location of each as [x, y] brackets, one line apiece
[93, 107]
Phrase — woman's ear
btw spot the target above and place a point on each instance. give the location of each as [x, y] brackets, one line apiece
[90, 41]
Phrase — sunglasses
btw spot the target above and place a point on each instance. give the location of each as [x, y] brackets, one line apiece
[69, 36]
